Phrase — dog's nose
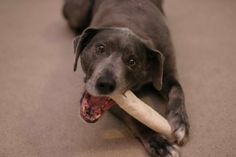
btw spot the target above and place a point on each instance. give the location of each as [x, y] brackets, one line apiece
[105, 85]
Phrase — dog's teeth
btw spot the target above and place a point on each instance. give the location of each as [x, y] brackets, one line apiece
[83, 108]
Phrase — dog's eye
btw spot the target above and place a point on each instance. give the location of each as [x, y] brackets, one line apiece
[131, 62]
[100, 49]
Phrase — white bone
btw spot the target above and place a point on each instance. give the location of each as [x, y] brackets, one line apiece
[143, 113]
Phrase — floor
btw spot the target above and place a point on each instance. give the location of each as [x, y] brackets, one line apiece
[39, 92]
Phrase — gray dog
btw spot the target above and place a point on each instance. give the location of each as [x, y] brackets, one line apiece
[125, 44]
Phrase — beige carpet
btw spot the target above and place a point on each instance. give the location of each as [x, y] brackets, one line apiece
[39, 93]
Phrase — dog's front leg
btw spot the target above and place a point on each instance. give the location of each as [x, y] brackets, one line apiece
[176, 112]
[155, 144]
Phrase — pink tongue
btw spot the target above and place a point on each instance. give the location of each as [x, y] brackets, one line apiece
[92, 108]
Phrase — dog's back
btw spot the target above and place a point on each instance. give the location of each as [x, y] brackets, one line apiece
[143, 17]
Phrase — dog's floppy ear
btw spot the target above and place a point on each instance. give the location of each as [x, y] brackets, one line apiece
[81, 41]
[156, 61]
[157, 66]
[75, 43]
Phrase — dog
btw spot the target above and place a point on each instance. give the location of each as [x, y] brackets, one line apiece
[126, 44]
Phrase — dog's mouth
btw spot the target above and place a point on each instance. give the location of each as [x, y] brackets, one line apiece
[92, 107]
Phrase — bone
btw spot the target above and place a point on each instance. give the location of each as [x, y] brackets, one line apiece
[143, 113]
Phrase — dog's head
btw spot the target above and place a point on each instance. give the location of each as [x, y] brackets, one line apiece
[115, 59]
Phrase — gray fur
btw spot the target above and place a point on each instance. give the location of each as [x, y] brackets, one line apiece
[138, 28]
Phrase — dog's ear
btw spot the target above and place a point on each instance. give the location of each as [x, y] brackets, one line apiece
[80, 42]
[156, 61]
[75, 43]
[157, 67]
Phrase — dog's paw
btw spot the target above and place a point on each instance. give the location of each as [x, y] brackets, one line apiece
[160, 147]
[180, 126]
